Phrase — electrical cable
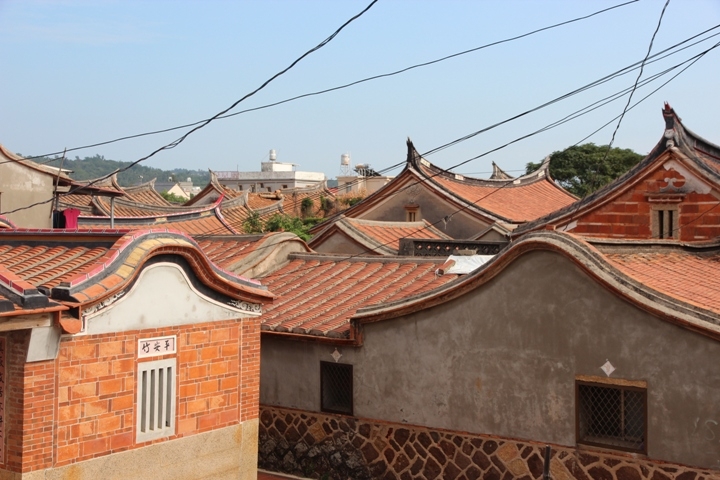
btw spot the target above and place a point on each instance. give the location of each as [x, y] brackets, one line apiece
[204, 123]
[642, 67]
[509, 182]
[357, 82]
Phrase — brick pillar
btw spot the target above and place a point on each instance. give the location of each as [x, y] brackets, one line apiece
[250, 368]
[29, 408]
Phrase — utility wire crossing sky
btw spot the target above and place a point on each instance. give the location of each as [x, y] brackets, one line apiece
[86, 73]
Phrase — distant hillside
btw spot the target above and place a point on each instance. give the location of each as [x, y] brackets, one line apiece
[98, 166]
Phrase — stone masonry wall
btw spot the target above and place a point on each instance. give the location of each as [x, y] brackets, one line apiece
[335, 447]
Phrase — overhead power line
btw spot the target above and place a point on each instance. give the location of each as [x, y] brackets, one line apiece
[642, 67]
[563, 120]
[204, 123]
[347, 85]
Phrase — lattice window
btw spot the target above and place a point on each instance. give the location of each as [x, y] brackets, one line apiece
[336, 388]
[156, 399]
[612, 416]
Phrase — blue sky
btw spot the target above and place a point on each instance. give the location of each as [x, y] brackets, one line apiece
[80, 72]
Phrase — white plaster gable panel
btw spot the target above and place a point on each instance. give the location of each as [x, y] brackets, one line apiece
[164, 296]
[692, 182]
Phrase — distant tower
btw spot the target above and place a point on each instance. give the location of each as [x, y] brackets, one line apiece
[345, 165]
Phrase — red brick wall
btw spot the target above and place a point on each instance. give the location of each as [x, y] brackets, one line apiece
[629, 215]
[82, 405]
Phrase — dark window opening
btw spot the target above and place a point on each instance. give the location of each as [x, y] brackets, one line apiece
[336, 388]
[612, 416]
[665, 223]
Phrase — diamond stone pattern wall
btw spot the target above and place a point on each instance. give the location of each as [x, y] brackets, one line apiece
[339, 447]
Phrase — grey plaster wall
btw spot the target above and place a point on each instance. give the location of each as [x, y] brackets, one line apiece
[340, 243]
[432, 208]
[21, 186]
[503, 359]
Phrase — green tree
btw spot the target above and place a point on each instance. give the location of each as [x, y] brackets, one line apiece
[582, 169]
[253, 223]
[285, 223]
[172, 198]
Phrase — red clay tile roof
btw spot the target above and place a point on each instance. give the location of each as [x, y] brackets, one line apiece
[45, 265]
[87, 267]
[691, 277]
[251, 255]
[257, 201]
[390, 233]
[225, 251]
[201, 220]
[235, 216]
[212, 191]
[293, 198]
[511, 201]
[514, 200]
[318, 295]
[145, 194]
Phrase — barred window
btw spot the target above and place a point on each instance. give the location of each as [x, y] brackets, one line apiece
[613, 416]
[156, 399]
[665, 221]
[336, 388]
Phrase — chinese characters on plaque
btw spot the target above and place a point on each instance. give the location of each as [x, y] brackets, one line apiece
[152, 347]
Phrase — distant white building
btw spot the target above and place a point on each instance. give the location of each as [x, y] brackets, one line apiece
[363, 179]
[273, 175]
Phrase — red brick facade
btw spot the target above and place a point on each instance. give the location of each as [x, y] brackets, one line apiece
[82, 404]
[632, 214]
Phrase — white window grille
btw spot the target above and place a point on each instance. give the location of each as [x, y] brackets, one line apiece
[156, 399]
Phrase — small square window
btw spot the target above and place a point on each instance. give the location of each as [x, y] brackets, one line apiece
[336, 388]
[156, 399]
[613, 416]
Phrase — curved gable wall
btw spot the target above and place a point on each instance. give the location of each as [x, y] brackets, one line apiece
[503, 359]
[162, 296]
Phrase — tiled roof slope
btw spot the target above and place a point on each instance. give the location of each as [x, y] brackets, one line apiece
[677, 283]
[137, 201]
[252, 255]
[680, 153]
[513, 200]
[293, 199]
[131, 208]
[202, 220]
[319, 294]
[145, 194]
[212, 191]
[690, 276]
[498, 199]
[84, 268]
[378, 238]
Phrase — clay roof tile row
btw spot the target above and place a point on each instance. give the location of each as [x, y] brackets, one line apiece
[318, 295]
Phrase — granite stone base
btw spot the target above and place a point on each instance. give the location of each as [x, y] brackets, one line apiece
[335, 447]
